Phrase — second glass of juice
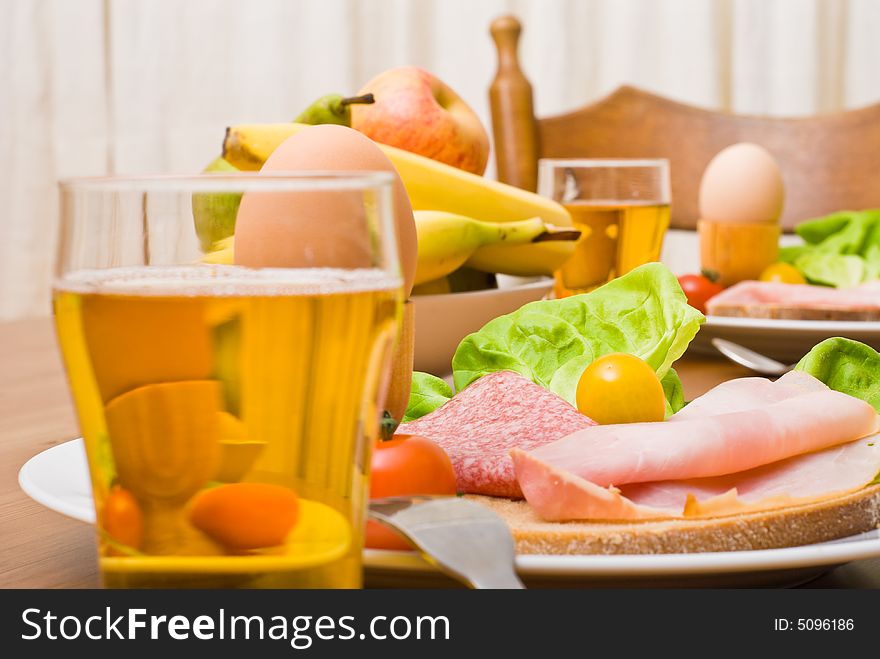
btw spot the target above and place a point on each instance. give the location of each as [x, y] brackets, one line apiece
[227, 411]
[621, 208]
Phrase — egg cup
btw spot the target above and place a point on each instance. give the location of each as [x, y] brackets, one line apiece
[737, 251]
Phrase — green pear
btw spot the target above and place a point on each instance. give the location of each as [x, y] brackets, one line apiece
[214, 212]
[332, 109]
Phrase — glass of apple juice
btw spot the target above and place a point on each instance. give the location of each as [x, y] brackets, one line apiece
[228, 407]
[621, 208]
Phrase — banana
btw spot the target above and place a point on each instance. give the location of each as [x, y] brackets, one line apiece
[248, 146]
[431, 185]
[522, 260]
[447, 240]
[435, 186]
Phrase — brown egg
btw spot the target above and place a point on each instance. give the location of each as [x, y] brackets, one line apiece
[742, 184]
[321, 229]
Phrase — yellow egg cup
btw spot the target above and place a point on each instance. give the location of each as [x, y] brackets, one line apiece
[737, 251]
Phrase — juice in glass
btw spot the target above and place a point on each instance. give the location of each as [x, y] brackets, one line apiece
[228, 412]
[615, 238]
[620, 206]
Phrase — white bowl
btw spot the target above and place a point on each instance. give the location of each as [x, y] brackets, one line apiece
[442, 321]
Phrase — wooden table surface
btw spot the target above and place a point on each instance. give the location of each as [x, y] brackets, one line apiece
[40, 548]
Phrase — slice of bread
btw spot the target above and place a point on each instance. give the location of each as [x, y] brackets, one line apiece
[820, 521]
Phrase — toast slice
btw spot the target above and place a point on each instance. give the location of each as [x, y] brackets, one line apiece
[819, 521]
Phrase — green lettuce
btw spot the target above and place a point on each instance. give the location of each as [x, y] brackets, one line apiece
[840, 270]
[841, 249]
[847, 366]
[872, 262]
[792, 253]
[816, 230]
[428, 392]
[849, 236]
[673, 391]
[551, 342]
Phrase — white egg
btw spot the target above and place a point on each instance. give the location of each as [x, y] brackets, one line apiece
[742, 184]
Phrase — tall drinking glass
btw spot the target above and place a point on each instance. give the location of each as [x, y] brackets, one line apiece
[228, 411]
[621, 208]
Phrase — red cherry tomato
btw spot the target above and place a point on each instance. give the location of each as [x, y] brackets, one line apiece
[406, 464]
[698, 289]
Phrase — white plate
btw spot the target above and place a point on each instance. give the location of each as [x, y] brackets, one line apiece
[58, 478]
[785, 340]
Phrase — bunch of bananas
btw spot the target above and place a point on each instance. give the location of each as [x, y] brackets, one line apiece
[462, 220]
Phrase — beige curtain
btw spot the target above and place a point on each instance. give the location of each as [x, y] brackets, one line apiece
[122, 86]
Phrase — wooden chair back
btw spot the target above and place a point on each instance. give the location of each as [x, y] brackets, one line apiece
[829, 162]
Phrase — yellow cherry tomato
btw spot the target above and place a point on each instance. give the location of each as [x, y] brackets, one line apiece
[620, 388]
[784, 273]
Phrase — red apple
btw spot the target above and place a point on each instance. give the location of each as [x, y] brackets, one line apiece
[417, 112]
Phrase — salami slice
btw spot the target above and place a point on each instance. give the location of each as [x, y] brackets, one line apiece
[479, 426]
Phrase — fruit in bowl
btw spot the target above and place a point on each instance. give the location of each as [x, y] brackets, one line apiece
[469, 228]
[416, 111]
[447, 241]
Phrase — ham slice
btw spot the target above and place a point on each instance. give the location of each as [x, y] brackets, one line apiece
[713, 445]
[558, 495]
[749, 393]
[836, 470]
[740, 446]
[762, 299]
[480, 425]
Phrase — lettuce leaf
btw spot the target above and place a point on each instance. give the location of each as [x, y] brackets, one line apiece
[841, 249]
[551, 342]
[791, 253]
[673, 391]
[872, 262]
[428, 392]
[816, 230]
[847, 366]
[850, 237]
[840, 270]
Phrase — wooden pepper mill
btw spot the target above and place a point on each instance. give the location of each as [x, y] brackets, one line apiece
[510, 95]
